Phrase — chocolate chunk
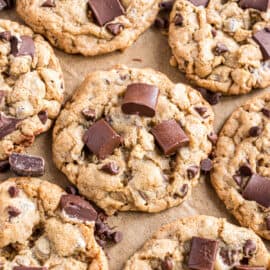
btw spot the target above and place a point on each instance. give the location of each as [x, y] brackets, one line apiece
[167, 263]
[267, 221]
[4, 165]
[89, 114]
[115, 28]
[192, 171]
[229, 256]
[212, 98]
[48, 3]
[248, 267]
[262, 37]
[161, 23]
[220, 49]
[266, 112]
[117, 237]
[199, 2]
[202, 254]
[43, 117]
[249, 248]
[76, 207]
[6, 35]
[13, 191]
[13, 212]
[26, 165]
[71, 190]
[201, 110]
[7, 125]
[23, 46]
[110, 168]
[261, 5]
[212, 137]
[105, 10]
[170, 136]
[206, 165]
[29, 268]
[101, 139]
[166, 5]
[255, 131]
[3, 4]
[178, 19]
[141, 99]
[258, 189]
[238, 180]
[245, 170]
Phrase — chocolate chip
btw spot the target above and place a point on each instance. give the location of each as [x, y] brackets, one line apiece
[48, 3]
[248, 267]
[115, 28]
[184, 190]
[201, 110]
[101, 139]
[267, 221]
[141, 99]
[262, 37]
[29, 268]
[105, 10]
[221, 48]
[266, 112]
[43, 117]
[71, 190]
[13, 191]
[161, 23]
[258, 190]
[249, 248]
[4, 165]
[89, 114]
[117, 237]
[212, 137]
[214, 32]
[7, 125]
[261, 5]
[13, 212]
[6, 35]
[192, 171]
[23, 46]
[202, 254]
[76, 207]
[178, 19]
[170, 136]
[255, 131]
[245, 170]
[166, 5]
[167, 263]
[110, 168]
[199, 2]
[26, 165]
[206, 165]
[212, 98]
[238, 179]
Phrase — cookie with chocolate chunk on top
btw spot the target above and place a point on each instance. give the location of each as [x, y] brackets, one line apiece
[142, 147]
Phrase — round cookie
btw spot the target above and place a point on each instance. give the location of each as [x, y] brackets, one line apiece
[221, 45]
[241, 173]
[89, 27]
[104, 139]
[201, 242]
[31, 87]
[45, 228]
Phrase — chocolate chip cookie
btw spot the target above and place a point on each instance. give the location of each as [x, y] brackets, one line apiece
[89, 27]
[241, 173]
[31, 87]
[223, 46]
[130, 139]
[201, 243]
[45, 228]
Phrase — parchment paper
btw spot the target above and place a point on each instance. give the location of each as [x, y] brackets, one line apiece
[153, 50]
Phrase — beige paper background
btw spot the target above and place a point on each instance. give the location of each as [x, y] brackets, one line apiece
[153, 50]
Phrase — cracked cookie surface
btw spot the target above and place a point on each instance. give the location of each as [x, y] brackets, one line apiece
[241, 172]
[215, 45]
[31, 87]
[73, 26]
[40, 230]
[136, 175]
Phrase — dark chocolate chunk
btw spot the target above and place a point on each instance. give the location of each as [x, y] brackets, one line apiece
[43, 117]
[248, 267]
[212, 98]
[170, 136]
[212, 137]
[161, 23]
[166, 5]
[249, 248]
[6, 35]
[23, 46]
[76, 207]
[199, 2]
[178, 19]
[7, 125]
[4, 165]
[220, 49]
[101, 139]
[117, 237]
[105, 10]
[115, 28]
[266, 112]
[110, 168]
[3, 4]
[261, 5]
[48, 3]
[202, 254]
[26, 165]
[262, 37]
[258, 189]
[167, 263]
[13, 212]
[201, 110]
[141, 99]
[267, 221]
[206, 165]
[192, 171]
[245, 170]
[29, 268]
[255, 131]
[71, 190]
[89, 114]
[13, 191]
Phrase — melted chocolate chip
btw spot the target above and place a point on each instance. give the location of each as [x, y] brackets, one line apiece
[192, 171]
[110, 168]
[13, 191]
[255, 131]
[115, 28]
[43, 117]
[23, 46]
[206, 165]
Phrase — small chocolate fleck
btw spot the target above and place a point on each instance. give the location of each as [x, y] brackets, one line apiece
[43, 117]
[115, 28]
[201, 110]
[206, 165]
[167, 263]
[110, 168]
[178, 19]
[212, 98]
[71, 190]
[214, 32]
[48, 3]
[13, 212]
[238, 179]
[212, 137]
[184, 190]
[6, 35]
[192, 171]
[245, 170]
[249, 248]
[221, 48]
[13, 191]
[89, 114]
[266, 112]
[4, 165]
[255, 131]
